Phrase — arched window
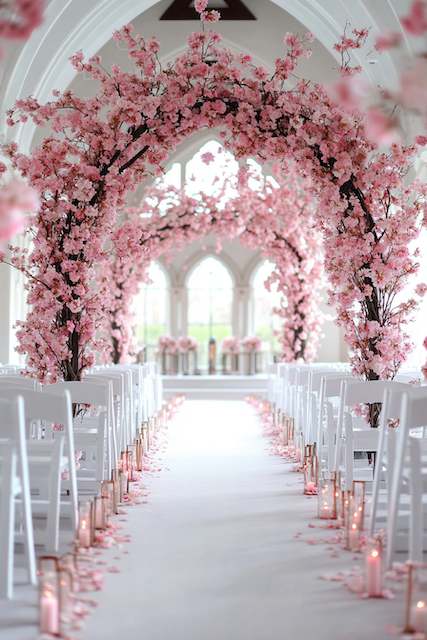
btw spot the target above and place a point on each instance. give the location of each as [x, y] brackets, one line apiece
[151, 309]
[210, 303]
[264, 322]
[417, 329]
[208, 168]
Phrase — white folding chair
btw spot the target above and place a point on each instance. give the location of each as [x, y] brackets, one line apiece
[409, 486]
[46, 460]
[92, 430]
[15, 484]
[329, 393]
[385, 457]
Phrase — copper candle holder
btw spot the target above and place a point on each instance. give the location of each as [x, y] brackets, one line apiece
[99, 509]
[115, 477]
[327, 498]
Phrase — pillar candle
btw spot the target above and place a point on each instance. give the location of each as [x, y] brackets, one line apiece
[49, 612]
[353, 537]
[84, 533]
[419, 617]
[374, 576]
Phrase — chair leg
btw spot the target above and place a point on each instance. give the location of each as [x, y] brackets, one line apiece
[416, 513]
[52, 525]
[7, 511]
[28, 523]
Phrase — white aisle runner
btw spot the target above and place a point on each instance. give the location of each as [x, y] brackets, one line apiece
[213, 555]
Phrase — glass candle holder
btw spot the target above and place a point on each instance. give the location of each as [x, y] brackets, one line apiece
[84, 531]
[123, 463]
[138, 456]
[115, 476]
[68, 562]
[107, 492]
[131, 452]
[374, 568]
[327, 498]
[49, 606]
[416, 600]
[124, 484]
[309, 477]
[100, 512]
[344, 506]
[359, 499]
[66, 590]
[351, 527]
[145, 435]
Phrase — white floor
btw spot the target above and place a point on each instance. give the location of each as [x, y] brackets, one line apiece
[213, 554]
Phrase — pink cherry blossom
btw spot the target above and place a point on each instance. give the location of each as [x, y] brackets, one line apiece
[98, 149]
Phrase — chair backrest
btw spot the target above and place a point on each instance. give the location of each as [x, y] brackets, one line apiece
[392, 400]
[56, 408]
[414, 408]
[363, 391]
[83, 392]
[12, 420]
[21, 381]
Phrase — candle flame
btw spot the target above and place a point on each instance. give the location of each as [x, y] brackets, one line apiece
[421, 604]
[375, 553]
[354, 526]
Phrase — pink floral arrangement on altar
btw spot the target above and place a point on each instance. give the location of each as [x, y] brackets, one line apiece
[167, 344]
[186, 344]
[251, 343]
[230, 345]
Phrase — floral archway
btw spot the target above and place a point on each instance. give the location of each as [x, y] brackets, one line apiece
[277, 221]
[102, 147]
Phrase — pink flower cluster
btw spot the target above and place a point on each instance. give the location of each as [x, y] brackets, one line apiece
[251, 343]
[230, 345]
[19, 18]
[167, 344]
[381, 120]
[186, 344]
[16, 200]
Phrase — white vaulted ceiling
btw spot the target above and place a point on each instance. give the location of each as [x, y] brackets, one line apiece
[42, 63]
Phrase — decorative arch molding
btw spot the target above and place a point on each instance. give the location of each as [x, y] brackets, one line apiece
[71, 25]
[253, 267]
[201, 255]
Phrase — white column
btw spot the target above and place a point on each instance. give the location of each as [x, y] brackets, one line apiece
[5, 313]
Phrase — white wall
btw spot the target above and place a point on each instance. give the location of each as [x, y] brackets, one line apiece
[241, 263]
